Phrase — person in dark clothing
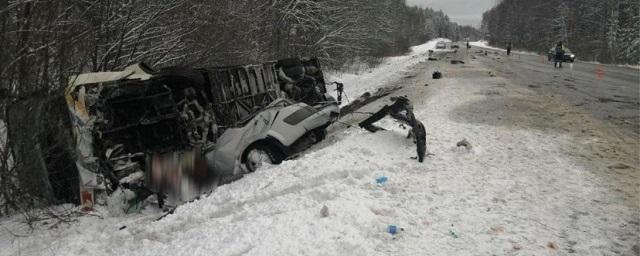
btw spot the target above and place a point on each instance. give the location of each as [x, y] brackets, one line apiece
[559, 55]
[509, 49]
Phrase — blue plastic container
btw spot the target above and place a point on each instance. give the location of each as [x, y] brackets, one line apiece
[381, 180]
[392, 229]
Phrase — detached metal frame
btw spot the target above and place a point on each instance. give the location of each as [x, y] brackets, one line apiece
[401, 110]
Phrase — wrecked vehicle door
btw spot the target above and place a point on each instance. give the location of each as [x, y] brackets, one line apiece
[138, 127]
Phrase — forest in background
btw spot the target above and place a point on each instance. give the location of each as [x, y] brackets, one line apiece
[606, 31]
[42, 42]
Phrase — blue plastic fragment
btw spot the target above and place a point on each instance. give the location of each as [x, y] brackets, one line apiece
[382, 179]
[392, 229]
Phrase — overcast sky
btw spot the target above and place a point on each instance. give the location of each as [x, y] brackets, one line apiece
[464, 12]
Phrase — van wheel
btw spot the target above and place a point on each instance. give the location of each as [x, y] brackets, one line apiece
[320, 135]
[256, 155]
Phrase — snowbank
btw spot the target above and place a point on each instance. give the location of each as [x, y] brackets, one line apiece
[617, 65]
[485, 44]
[391, 69]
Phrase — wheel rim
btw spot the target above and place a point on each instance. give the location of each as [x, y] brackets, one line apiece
[256, 157]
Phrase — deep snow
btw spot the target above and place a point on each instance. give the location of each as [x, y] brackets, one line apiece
[514, 192]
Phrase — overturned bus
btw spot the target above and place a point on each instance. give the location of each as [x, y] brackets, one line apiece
[179, 132]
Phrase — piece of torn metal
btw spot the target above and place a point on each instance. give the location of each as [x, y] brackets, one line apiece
[401, 110]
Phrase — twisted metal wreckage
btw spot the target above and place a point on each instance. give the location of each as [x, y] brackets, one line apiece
[179, 132]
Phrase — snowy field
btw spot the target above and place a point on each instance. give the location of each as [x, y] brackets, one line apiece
[515, 192]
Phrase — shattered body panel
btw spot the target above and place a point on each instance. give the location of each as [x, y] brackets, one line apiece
[401, 110]
[269, 126]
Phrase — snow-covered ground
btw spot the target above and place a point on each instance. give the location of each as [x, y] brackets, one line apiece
[391, 69]
[515, 192]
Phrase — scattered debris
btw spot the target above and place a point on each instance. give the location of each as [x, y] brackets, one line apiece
[437, 75]
[516, 247]
[392, 229]
[382, 180]
[426, 85]
[491, 74]
[620, 166]
[552, 246]
[457, 62]
[534, 86]
[464, 143]
[324, 212]
[432, 59]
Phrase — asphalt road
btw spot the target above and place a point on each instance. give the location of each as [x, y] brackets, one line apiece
[609, 93]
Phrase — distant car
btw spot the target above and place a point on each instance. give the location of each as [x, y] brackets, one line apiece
[567, 57]
[441, 45]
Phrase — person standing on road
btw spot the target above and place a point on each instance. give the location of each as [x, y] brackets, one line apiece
[509, 49]
[559, 55]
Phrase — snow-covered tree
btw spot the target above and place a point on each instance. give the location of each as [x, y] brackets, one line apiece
[602, 30]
